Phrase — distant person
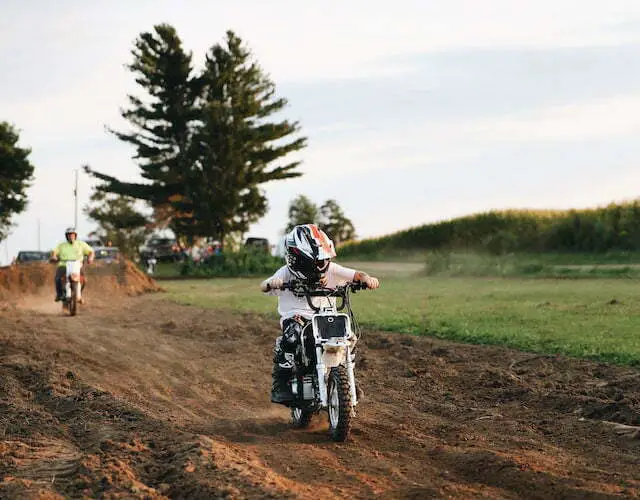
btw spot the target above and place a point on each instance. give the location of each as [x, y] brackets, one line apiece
[195, 253]
[72, 249]
[151, 261]
[308, 254]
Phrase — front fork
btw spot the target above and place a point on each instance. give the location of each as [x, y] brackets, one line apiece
[68, 288]
[352, 378]
[322, 385]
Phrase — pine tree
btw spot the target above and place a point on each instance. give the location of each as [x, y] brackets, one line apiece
[238, 148]
[161, 122]
[16, 174]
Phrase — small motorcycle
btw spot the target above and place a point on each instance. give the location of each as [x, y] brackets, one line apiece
[323, 377]
[73, 286]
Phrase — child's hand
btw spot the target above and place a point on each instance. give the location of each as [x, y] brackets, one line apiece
[372, 283]
[275, 283]
[272, 284]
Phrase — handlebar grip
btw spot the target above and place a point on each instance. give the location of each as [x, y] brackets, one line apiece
[359, 285]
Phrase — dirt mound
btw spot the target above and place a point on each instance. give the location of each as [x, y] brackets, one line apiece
[32, 279]
[24, 279]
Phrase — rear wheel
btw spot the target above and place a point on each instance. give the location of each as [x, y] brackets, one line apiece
[339, 404]
[301, 418]
[73, 301]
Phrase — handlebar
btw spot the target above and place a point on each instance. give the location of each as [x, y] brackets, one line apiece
[300, 289]
[55, 260]
[318, 291]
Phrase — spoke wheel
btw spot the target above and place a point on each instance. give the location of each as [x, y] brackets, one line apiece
[339, 404]
[73, 301]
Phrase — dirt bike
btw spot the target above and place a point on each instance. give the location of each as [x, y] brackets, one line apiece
[323, 376]
[73, 286]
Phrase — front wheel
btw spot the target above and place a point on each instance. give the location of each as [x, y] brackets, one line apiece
[339, 403]
[73, 301]
[301, 418]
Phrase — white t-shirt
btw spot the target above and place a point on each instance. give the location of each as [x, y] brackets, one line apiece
[289, 305]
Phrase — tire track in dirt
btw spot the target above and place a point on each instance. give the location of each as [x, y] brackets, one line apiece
[145, 398]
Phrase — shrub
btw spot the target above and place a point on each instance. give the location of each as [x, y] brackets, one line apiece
[245, 262]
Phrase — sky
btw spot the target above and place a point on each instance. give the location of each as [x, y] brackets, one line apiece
[415, 111]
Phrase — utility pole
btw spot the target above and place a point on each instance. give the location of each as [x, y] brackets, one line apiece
[75, 196]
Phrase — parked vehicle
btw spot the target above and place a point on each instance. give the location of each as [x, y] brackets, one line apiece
[94, 243]
[107, 255]
[27, 256]
[166, 249]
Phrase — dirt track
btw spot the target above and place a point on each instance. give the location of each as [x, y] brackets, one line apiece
[145, 398]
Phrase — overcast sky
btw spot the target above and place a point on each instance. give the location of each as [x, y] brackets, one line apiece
[415, 111]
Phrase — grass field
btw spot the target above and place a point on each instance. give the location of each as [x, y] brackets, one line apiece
[533, 265]
[592, 318]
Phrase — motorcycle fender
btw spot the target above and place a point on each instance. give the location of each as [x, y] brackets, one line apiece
[333, 358]
[74, 277]
[335, 345]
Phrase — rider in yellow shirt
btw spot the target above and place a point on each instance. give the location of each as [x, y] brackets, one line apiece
[72, 249]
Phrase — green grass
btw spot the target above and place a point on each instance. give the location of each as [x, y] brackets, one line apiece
[531, 265]
[166, 269]
[595, 319]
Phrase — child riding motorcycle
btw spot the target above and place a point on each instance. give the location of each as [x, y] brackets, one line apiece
[72, 249]
[308, 254]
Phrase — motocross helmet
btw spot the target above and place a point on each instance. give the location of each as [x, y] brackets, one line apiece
[308, 252]
[68, 231]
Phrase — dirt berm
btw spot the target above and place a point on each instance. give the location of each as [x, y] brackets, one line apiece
[138, 397]
[16, 281]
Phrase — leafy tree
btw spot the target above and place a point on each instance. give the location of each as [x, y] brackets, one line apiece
[205, 143]
[335, 223]
[16, 174]
[118, 221]
[302, 211]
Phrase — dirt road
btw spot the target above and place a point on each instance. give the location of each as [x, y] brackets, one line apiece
[142, 398]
